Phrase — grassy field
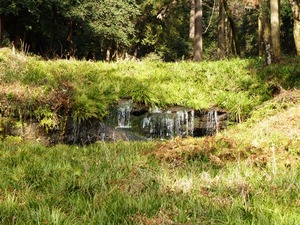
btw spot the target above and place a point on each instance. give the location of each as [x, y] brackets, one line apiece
[248, 174]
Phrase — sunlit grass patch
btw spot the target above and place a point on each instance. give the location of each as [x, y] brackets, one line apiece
[127, 182]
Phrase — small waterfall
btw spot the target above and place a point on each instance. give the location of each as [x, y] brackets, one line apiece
[168, 124]
[182, 124]
[157, 126]
[103, 136]
[123, 115]
[132, 121]
[192, 123]
[216, 122]
[155, 110]
[209, 122]
[212, 122]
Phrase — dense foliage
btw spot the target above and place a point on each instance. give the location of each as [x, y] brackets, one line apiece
[129, 28]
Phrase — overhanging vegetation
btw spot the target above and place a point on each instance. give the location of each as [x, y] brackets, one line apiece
[50, 90]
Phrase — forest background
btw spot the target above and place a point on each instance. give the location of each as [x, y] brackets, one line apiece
[112, 30]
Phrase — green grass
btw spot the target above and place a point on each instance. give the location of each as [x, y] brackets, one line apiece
[87, 89]
[248, 174]
[124, 183]
[244, 175]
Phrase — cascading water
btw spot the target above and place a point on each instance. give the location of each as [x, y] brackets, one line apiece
[123, 116]
[159, 124]
[192, 122]
[209, 122]
[133, 121]
[129, 121]
[212, 122]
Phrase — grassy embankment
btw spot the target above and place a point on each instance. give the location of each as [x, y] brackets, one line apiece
[50, 90]
[248, 174]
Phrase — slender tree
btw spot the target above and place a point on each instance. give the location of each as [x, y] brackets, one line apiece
[233, 26]
[1, 30]
[198, 31]
[221, 31]
[295, 5]
[275, 28]
[260, 34]
[265, 19]
[192, 19]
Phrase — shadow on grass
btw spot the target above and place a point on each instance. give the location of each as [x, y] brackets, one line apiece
[284, 74]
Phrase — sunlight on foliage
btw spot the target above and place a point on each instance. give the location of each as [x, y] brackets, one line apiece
[47, 118]
[86, 90]
[84, 108]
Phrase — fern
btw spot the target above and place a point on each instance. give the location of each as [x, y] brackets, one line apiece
[83, 108]
[47, 118]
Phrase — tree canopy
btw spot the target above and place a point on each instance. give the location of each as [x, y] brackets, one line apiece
[112, 29]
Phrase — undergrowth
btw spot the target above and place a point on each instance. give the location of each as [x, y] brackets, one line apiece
[85, 90]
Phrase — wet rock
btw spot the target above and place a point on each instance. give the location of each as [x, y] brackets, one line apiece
[130, 121]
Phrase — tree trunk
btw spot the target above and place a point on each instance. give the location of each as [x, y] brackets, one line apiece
[275, 28]
[198, 31]
[233, 29]
[1, 30]
[295, 5]
[229, 39]
[221, 31]
[108, 53]
[266, 32]
[192, 19]
[267, 42]
[297, 35]
[69, 40]
[260, 37]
